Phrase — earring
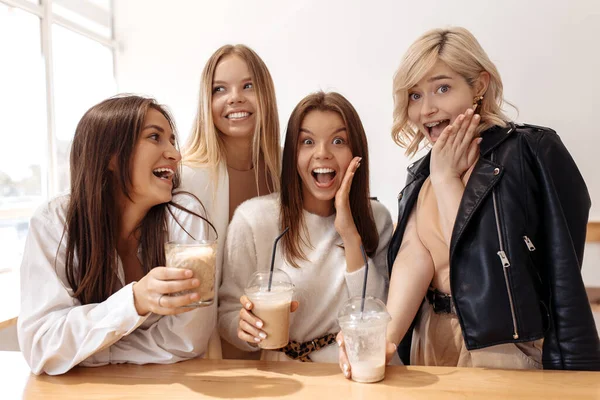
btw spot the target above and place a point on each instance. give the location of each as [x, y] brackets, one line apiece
[477, 101]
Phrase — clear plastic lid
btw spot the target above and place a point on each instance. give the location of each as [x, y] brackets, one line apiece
[259, 282]
[374, 312]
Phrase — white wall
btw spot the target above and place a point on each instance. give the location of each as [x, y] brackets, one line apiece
[545, 52]
[547, 55]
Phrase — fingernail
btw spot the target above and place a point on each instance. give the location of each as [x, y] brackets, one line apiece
[257, 340]
[339, 342]
[479, 140]
[259, 324]
[189, 273]
[477, 116]
[469, 111]
[461, 117]
[262, 335]
[248, 305]
[195, 282]
[359, 159]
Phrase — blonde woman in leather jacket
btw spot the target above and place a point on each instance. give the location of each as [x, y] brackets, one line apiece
[486, 257]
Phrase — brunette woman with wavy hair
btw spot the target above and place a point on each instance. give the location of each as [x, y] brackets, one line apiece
[325, 204]
[91, 272]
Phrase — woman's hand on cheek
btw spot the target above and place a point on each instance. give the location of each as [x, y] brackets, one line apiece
[456, 149]
[344, 223]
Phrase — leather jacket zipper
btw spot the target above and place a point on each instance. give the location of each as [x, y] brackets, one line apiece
[505, 263]
[529, 243]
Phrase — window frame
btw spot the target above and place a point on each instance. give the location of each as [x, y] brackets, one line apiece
[43, 11]
[47, 19]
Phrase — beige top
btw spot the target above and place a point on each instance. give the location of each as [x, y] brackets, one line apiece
[430, 232]
[439, 339]
[242, 186]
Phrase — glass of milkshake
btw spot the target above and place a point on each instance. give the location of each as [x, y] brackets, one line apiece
[200, 257]
[272, 306]
[364, 337]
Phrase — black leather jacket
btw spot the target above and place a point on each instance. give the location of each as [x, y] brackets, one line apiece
[517, 247]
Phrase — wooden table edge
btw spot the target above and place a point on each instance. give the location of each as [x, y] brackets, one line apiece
[9, 322]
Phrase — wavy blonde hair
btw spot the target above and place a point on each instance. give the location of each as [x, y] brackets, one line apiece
[459, 49]
[205, 147]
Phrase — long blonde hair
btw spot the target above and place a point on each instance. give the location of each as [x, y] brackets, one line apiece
[458, 48]
[205, 147]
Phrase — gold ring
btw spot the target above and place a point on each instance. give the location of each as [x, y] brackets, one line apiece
[159, 299]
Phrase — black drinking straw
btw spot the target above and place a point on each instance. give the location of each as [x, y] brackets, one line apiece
[273, 256]
[364, 292]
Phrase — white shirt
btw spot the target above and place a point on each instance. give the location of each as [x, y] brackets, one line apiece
[56, 332]
[322, 284]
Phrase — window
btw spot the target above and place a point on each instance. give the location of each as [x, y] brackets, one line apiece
[92, 71]
[23, 101]
[95, 15]
[61, 63]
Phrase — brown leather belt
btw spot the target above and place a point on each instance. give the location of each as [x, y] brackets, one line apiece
[440, 302]
[301, 351]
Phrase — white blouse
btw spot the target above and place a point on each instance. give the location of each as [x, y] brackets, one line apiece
[56, 332]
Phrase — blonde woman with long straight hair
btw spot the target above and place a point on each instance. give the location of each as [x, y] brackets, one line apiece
[233, 153]
[491, 223]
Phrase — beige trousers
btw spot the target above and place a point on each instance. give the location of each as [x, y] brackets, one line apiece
[438, 341]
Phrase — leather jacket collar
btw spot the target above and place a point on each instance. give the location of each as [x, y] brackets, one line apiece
[492, 138]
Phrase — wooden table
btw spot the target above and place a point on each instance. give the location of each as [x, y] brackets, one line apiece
[259, 379]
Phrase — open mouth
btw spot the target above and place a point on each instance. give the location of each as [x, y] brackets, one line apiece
[164, 173]
[238, 115]
[436, 128]
[323, 177]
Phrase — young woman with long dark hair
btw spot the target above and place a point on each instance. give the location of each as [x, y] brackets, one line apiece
[93, 287]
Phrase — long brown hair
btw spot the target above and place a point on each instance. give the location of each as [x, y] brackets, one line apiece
[108, 130]
[205, 145]
[291, 198]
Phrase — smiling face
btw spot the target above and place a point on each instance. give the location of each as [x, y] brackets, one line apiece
[234, 103]
[154, 161]
[438, 98]
[323, 157]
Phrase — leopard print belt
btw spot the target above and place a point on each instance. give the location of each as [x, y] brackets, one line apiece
[301, 351]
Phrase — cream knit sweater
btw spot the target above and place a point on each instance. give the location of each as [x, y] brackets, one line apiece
[322, 284]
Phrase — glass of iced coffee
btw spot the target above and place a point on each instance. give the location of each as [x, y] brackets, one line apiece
[199, 256]
[272, 306]
[364, 336]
